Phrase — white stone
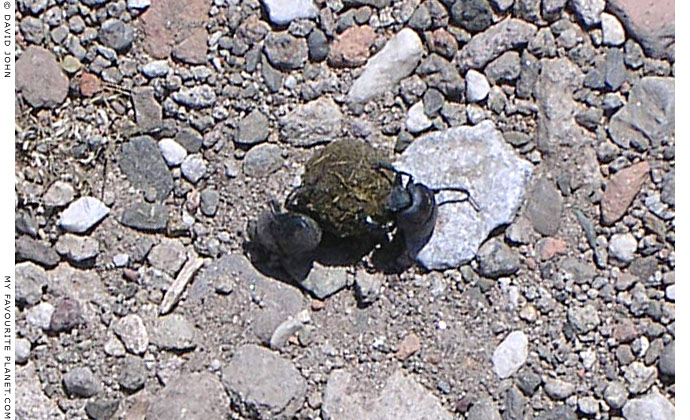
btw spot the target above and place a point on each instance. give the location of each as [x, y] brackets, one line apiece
[83, 214]
[172, 152]
[132, 332]
[22, 350]
[138, 4]
[510, 355]
[396, 60]
[193, 168]
[59, 194]
[39, 316]
[282, 12]
[622, 246]
[417, 121]
[159, 68]
[652, 406]
[612, 30]
[477, 86]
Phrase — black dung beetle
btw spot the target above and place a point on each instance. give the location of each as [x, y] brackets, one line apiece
[287, 234]
[414, 208]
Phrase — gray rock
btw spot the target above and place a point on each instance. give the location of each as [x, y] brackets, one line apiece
[472, 15]
[421, 18]
[615, 395]
[667, 360]
[558, 389]
[83, 214]
[545, 207]
[433, 102]
[558, 413]
[272, 77]
[32, 29]
[367, 287]
[551, 9]
[81, 382]
[147, 110]
[193, 168]
[116, 35]
[32, 401]
[175, 332]
[441, 74]
[152, 69]
[22, 350]
[148, 217]
[25, 222]
[315, 122]
[417, 121]
[133, 374]
[484, 409]
[197, 97]
[209, 202]
[77, 249]
[588, 406]
[286, 52]
[507, 35]
[59, 194]
[623, 246]
[262, 160]
[262, 383]
[476, 86]
[253, 128]
[401, 397]
[40, 79]
[502, 5]
[27, 248]
[514, 405]
[396, 60]
[323, 281]
[616, 73]
[190, 139]
[496, 259]
[499, 188]
[68, 314]
[652, 406]
[529, 73]
[668, 189]
[196, 396]
[131, 331]
[558, 81]
[583, 318]
[102, 409]
[528, 382]
[282, 13]
[510, 355]
[142, 162]
[172, 152]
[318, 45]
[168, 256]
[30, 280]
[639, 377]
[588, 11]
[504, 69]
[650, 113]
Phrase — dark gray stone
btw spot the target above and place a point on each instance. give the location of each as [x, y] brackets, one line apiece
[81, 382]
[507, 35]
[514, 405]
[496, 259]
[32, 29]
[441, 74]
[190, 139]
[528, 382]
[133, 374]
[30, 280]
[116, 35]
[433, 102]
[318, 45]
[67, 315]
[545, 207]
[616, 74]
[504, 69]
[262, 160]
[253, 128]
[472, 15]
[285, 51]
[484, 409]
[558, 413]
[147, 217]
[142, 162]
[101, 409]
[147, 110]
[196, 396]
[209, 202]
[27, 248]
[667, 360]
[272, 77]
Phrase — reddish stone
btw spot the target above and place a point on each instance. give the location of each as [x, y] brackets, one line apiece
[89, 85]
[442, 42]
[351, 48]
[621, 190]
[548, 248]
[40, 79]
[408, 346]
[650, 22]
[624, 331]
[317, 305]
[167, 23]
[193, 49]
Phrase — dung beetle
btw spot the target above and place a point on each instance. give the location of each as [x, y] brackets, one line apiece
[414, 208]
[285, 233]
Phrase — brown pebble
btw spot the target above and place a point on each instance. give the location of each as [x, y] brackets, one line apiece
[621, 190]
[317, 305]
[351, 48]
[408, 346]
[548, 248]
[89, 85]
[130, 274]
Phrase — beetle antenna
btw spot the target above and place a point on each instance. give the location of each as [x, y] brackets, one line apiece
[468, 197]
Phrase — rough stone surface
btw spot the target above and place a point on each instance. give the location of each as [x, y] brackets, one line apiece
[650, 113]
[282, 13]
[193, 168]
[196, 396]
[197, 97]
[324, 281]
[40, 79]
[545, 207]
[477, 87]
[77, 249]
[83, 214]
[116, 34]
[81, 382]
[649, 22]
[484, 409]
[142, 162]
[263, 383]
[167, 23]
[476, 158]
[30, 280]
[148, 112]
[496, 259]
[612, 30]
[652, 406]
[30, 249]
[132, 332]
[588, 11]
[621, 190]
[32, 402]
[262, 160]
[253, 128]
[175, 332]
[59, 194]
[351, 48]
[510, 355]
[172, 152]
[507, 35]
[318, 121]
[396, 60]
[148, 217]
[285, 51]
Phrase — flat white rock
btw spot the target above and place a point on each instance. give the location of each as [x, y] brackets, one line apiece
[83, 214]
[510, 355]
[282, 12]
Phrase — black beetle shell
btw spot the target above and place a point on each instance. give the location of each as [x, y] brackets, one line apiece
[417, 221]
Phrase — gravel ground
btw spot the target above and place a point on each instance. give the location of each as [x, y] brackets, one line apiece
[150, 133]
